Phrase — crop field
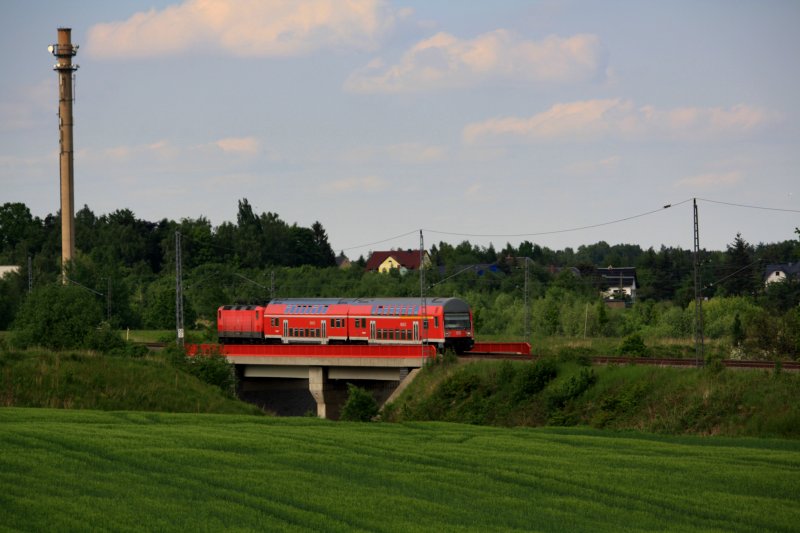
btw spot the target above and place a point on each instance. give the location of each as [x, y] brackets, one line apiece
[131, 471]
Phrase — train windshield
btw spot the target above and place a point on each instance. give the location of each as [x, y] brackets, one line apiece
[456, 321]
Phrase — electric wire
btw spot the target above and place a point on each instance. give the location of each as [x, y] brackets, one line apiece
[764, 208]
[566, 230]
[380, 242]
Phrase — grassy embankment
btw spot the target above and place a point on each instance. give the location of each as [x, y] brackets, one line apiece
[567, 393]
[122, 471]
[85, 380]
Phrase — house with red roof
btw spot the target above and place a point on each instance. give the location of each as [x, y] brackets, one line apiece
[404, 260]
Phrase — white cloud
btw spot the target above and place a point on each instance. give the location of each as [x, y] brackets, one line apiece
[713, 179]
[239, 145]
[444, 61]
[592, 119]
[244, 28]
[159, 149]
[368, 183]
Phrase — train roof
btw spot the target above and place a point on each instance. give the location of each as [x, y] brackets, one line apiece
[309, 301]
[453, 305]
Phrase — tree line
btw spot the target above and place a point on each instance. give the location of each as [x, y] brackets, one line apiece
[126, 266]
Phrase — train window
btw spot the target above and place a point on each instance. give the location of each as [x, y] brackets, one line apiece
[436, 321]
[256, 315]
[425, 324]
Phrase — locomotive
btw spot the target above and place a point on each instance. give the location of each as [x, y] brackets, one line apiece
[443, 322]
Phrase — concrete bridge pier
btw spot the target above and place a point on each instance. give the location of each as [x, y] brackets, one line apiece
[329, 398]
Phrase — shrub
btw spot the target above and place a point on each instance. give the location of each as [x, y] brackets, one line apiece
[104, 339]
[574, 387]
[212, 368]
[360, 405]
[533, 379]
[57, 317]
[215, 369]
[633, 345]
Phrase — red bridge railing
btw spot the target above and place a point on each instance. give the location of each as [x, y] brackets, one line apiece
[314, 350]
[514, 348]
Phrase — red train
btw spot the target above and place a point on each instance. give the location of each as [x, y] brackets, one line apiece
[445, 322]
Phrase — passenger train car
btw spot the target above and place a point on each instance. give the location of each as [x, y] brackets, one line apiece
[444, 322]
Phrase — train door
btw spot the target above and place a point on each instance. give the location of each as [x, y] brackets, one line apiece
[285, 331]
[324, 326]
[416, 331]
[372, 330]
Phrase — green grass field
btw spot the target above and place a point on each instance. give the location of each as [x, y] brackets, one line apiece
[131, 471]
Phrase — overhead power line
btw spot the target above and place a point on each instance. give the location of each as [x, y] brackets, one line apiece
[751, 206]
[566, 230]
[381, 241]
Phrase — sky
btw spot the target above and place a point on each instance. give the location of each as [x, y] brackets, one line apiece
[559, 122]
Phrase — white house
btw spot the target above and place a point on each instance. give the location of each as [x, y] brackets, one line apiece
[8, 269]
[780, 272]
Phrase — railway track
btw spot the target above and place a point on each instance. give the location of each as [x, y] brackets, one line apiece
[729, 363]
[681, 363]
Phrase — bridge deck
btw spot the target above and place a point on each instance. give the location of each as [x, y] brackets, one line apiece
[319, 354]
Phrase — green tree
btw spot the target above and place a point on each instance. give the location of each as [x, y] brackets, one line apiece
[57, 317]
[741, 278]
[159, 306]
[360, 405]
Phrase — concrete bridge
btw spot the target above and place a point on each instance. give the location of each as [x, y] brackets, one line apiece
[293, 379]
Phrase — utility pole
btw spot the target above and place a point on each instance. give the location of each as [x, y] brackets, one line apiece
[178, 289]
[423, 303]
[698, 296]
[30, 274]
[64, 51]
[527, 307]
